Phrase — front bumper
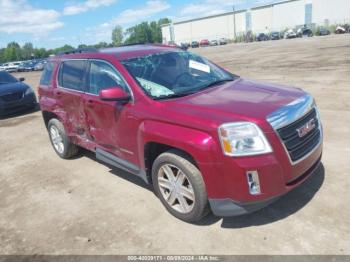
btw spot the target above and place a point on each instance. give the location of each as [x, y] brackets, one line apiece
[27, 102]
[228, 207]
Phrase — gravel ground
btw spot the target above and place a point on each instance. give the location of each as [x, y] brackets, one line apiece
[54, 206]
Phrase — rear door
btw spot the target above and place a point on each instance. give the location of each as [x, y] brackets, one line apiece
[69, 93]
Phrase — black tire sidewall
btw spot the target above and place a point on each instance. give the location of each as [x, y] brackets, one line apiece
[195, 178]
[66, 142]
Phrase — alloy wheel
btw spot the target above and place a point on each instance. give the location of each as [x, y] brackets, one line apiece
[56, 139]
[176, 188]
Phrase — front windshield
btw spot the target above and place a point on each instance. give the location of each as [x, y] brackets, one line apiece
[175, 74]
[6, 78]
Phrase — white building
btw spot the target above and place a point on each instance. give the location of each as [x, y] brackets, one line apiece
[272, 17]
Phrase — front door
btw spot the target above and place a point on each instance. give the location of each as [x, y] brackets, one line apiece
[104, 118]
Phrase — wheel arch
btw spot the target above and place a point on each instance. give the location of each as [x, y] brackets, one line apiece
[154, 149]
[155, 138]
[47, 116]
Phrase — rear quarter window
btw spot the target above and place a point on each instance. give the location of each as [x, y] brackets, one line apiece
[72, 74]
[47, 74]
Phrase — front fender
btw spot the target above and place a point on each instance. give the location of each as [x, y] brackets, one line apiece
[203, 147]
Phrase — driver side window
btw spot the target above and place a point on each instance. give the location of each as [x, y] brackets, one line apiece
[103, 76]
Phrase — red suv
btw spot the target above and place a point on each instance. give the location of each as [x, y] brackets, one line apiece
[204, 138]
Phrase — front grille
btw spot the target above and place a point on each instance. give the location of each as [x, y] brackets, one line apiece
[12, 97]
[297, 146]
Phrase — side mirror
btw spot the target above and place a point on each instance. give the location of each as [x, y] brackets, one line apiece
[114, 94]
[21, 79]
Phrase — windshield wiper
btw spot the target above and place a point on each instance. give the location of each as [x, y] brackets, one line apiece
[215, 83]
[174, 95]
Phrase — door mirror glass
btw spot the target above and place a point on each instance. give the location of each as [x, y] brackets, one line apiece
[114, 94]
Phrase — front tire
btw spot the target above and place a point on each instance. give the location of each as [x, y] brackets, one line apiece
[179, 185]
[60, 141]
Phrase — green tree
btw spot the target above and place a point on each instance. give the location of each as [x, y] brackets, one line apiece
[62, 49]
[40, 53]
[146, 32]
[101, 45]
[117, 35]
[27, 51]
[12, 52]
[82, 46]
[2, 51]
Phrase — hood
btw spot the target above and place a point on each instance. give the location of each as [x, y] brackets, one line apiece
[12, 88]
[240, 100]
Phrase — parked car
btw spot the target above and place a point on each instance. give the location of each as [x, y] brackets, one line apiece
[324, 31]
[203, 137]
[26, 66]
[214, 42]
[185, 46]
[39, 66]
[204, 42]
[340, 30]
[304, 32]
[262, 37]
[14, 94]
[10, 67]
[275, 36]
[222, 41]
[194, 44]
[289, 34]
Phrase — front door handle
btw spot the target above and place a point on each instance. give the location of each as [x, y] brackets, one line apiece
[90, 102]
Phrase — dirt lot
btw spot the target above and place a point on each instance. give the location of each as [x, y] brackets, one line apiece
[54, 206]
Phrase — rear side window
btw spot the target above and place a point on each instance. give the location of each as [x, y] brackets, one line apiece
[47, 74]
[72, 74]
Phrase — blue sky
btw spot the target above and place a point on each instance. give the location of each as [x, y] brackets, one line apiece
[52, 24]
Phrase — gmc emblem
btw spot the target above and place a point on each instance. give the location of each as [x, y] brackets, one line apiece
[307, 128]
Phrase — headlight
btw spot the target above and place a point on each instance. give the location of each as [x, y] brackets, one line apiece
[243, 139]
[29, 91]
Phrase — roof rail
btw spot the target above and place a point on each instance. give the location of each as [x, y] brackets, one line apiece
[78, 51]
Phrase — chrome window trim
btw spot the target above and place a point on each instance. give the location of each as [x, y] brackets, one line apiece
[290, 113]
[120, 74]
[92, 59]
[58, 73]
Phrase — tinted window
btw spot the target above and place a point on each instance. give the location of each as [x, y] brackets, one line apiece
[72, 74]
[47, 73]
[103, 76]
[6, 78]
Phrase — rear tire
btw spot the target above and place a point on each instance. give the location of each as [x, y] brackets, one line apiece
[184, 195]
[60, 141]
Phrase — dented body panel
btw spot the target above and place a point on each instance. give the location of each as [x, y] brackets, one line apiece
[188, 123]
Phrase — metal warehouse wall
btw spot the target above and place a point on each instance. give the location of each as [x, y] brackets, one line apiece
[262, 19]
[335, 11]
[212, 27]
[279, 16]
[288, 14]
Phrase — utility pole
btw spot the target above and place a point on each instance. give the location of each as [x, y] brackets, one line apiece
[234, 20]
